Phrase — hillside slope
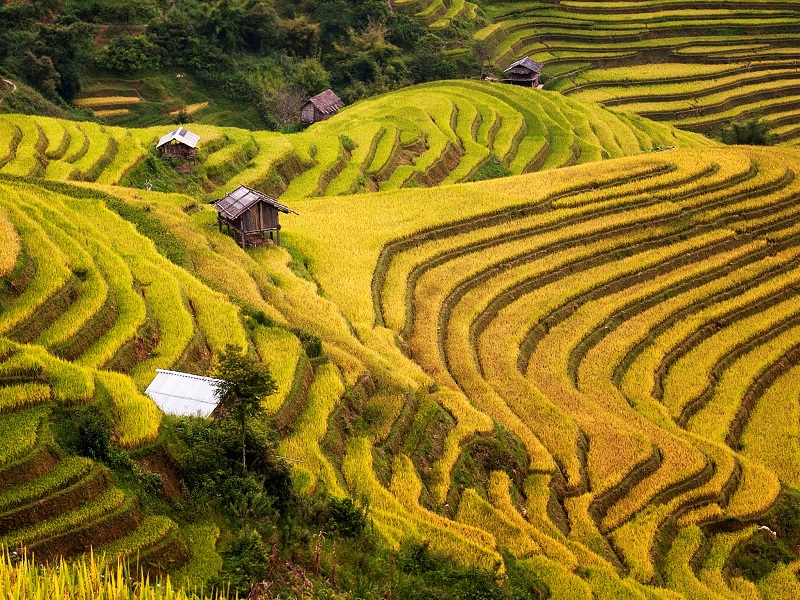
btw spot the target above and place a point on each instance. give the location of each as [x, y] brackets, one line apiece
[585, 368]
[696, 65]
[421, 136]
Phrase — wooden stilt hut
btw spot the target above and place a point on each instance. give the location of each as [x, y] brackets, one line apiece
[320, 107]
[180, 143]
[524, 72]
[251, 216]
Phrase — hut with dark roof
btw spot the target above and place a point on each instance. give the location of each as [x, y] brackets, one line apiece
[524, 72]
[320, 107]
[251, 216]
[180, 143]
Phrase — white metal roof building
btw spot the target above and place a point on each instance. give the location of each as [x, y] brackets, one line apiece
[183, 394]
[180, 135]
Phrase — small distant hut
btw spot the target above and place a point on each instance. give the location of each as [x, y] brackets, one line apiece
[320, 107]
[180, 143]
[252, 215]
[524, 72]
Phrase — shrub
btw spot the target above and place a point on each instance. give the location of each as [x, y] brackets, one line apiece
[311, 343]
[753, 132]
[94, 434]
[348, 519]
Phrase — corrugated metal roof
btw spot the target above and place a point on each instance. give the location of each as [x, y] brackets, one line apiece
[183, 393]
[182, 135]
[526, 62]
[235, 203]
[327, 102]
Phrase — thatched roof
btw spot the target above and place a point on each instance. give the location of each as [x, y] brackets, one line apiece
[234, 204]
[527, 63]
[326, 102]
[181, 135]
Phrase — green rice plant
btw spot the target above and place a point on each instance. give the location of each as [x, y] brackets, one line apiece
[366, 139]
[64, 474]
[384, 408]
[58, 138]
[386, 148]
[757, 490]
[131, 311]
[583, 529]
[69, 383]
[136, 417]
[607, 585]
[476, 512]
[280, 350]
[102, 148]
[679, 574]
[11, 245]
[561, 582]
[11, 136]
[20, 431]
[93, 290]
[14, 397]
[780, 583]
[27, 160]
[61, 168]
[714, 419]
[539, 528]
[469, 422]
[88, 577]
[303, 445]
[634, 539]
[272, 149]
[51, 272]
[164, 303]
[722, 545]
[129, 150]
[204, 562]
[104, 504]
[406, 487]
[148, 534]
[769, 439]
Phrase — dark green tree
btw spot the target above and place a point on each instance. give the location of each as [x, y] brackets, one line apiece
[245, 384]
[753, 132]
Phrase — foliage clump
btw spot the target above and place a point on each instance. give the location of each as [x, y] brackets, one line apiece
[754, 132]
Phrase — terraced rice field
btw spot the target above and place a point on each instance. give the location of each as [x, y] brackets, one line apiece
[633, 325]
[624, 332]
[422, 136]
[696, 65]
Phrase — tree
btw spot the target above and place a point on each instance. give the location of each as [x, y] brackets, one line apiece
[245, 384]
[754, 132]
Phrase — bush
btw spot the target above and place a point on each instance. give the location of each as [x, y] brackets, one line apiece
[348, 520]
[753, 132]
[311, 343]
[94, 435]
[129, 53]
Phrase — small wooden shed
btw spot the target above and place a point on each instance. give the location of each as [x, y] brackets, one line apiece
[180, 143]
[524, 72]
[252, 215]
[320, 107]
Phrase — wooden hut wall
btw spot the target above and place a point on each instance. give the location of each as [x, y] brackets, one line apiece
[258, 218]
[308, 114]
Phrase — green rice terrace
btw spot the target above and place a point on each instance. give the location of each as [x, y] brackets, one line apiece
[696, 65]
[427, 135]
[584, 374]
